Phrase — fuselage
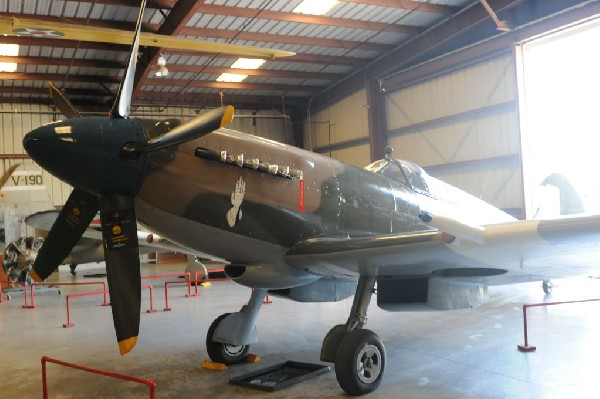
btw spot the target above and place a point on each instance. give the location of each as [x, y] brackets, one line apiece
[208, 195]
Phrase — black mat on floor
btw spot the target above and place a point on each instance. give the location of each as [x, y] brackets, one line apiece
[280, 376]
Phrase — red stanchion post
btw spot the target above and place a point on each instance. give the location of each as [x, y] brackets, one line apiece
[150, 383]
[32, 290]
[197, 282]
[68, 299]
[530, 348]
[27, 305]
[167, 283]
[44, 381]
[525, 347]
[189, 281]
[32, 294]
[167, 308]
[151, 310]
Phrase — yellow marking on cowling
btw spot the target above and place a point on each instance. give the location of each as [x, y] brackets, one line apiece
[126, 345]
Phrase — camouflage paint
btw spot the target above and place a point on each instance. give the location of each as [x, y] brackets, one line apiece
[337, 201]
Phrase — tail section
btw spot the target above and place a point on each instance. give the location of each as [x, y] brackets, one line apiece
[569, 202]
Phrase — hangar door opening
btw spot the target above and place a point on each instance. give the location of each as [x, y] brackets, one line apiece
[559, 97]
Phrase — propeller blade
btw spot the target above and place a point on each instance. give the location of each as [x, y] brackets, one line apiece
[7, 176]
[123, 103]
[62, 103]
[119, 232]
[195, 128]
[73, 219]
[58, 30]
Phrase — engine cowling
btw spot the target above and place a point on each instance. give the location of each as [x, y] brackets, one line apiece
[269, 276]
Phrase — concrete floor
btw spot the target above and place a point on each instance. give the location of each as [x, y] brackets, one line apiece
[462, 354]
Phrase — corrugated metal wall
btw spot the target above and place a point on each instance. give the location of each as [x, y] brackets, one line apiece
[463, 128]
[341, 130]
[17, 120]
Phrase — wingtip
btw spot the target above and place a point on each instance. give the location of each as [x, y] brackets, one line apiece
[126, 345]
[282, 53]
[227, 116]
[35, 276]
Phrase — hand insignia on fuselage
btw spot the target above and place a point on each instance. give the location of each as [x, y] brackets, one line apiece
[237, 197]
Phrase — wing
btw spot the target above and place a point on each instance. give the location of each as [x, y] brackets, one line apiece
[58, 30]
[508, 252]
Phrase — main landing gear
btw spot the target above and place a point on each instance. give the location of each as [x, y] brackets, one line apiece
[230, 335]
[358, 354]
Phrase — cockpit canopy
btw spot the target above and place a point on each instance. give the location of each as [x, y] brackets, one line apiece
[404, 172]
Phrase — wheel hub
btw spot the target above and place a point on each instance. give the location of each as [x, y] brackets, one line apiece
[368, 364]
[233, 350]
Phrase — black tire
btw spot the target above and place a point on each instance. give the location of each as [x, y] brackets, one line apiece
[360, 362]
[332, 341]
[224, 353]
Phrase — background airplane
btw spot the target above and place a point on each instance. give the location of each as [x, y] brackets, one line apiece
[291, 222]
[22, 192]
[89, 248]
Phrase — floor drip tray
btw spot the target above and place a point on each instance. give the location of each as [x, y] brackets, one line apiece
[280, 376]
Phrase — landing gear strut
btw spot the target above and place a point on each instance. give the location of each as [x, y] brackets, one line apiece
[224, 353]
[229, 337]
[358, 354]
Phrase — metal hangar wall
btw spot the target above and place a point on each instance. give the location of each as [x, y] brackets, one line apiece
[455, 113]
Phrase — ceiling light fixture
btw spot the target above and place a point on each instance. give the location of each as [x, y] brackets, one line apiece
[315, 7]
[11, 50]
[162, 67]
[231, 77]
[248, 63]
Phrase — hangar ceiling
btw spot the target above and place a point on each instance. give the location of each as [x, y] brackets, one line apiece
[354, 36]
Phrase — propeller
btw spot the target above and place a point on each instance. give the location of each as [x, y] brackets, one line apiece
[62, 103]
[7, 176]
[104, 159]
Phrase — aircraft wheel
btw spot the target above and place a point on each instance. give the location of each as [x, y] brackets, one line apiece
[224, 353]
[360, 362]
[547, 287]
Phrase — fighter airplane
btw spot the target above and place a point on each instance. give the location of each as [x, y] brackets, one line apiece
[292, 223]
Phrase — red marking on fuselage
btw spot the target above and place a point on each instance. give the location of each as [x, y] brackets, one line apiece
[301, 204]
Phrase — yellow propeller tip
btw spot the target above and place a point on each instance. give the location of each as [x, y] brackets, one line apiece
[126, 345]
[35, 276]
[227, 116]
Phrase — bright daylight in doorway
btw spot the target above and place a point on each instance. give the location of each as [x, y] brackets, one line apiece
[560, 113]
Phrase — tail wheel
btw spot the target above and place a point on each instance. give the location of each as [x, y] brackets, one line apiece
[224, 353]
[360, 362]
[547, 286]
